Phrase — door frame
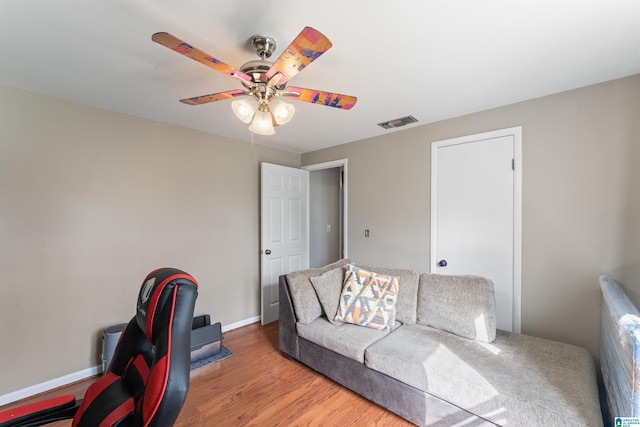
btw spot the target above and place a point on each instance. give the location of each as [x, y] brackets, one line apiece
[516, 132]
[336, 164]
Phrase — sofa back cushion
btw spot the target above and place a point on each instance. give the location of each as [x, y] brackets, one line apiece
[305, 301]
[406, 304]
[462, 305]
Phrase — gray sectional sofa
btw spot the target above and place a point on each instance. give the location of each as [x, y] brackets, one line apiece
[442, 361]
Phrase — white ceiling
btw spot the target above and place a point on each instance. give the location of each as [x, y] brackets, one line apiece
[430, 59]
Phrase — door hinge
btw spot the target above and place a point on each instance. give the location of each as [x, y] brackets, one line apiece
[513, 164]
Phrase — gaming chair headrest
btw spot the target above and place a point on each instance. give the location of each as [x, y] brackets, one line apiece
[154, 293]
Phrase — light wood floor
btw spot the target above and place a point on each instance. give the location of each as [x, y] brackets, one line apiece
[258, 387]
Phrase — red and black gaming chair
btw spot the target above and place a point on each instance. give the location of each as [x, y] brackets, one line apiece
[148, 378]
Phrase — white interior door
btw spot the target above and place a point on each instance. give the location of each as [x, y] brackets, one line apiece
[475, 218]
[284, 230]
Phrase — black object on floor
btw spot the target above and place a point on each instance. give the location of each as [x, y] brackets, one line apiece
[222, 354]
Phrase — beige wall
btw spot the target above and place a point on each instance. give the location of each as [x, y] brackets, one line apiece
[581, 200]
[90, 202]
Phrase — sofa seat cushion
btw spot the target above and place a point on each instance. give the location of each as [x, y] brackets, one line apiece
[348, 340]
[517, 380]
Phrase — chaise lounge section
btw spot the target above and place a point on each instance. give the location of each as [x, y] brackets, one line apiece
[441, 361]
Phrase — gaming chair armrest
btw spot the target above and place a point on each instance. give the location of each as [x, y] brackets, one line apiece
[41, 412]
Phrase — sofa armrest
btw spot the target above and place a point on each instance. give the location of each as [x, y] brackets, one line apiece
[288, 336]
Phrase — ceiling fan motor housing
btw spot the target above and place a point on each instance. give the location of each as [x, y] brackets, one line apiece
[256, 70]
[264, 47]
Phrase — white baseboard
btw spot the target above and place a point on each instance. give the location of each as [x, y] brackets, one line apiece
[49, 385]
[241, 323]
[86, 373]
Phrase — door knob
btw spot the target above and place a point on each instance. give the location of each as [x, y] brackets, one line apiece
[442, 263]
[267, 252]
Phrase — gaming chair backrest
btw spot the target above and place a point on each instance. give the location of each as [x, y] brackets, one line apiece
[148, 379]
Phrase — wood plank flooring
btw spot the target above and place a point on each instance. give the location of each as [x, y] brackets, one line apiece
[258, 387]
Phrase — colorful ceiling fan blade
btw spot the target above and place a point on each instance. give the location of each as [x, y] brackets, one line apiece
[336, 100]
[220, 96]
[196, 54]
[306, 48]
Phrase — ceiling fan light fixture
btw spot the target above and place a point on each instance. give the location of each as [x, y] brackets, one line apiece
[262, 123]
[245, 108]
[282, 111]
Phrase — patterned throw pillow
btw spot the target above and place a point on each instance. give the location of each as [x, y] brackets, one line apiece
[368, 299]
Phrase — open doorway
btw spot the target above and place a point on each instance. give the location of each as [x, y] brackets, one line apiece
[327, 212]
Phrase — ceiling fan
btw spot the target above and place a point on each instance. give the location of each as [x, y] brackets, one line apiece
[261, 103]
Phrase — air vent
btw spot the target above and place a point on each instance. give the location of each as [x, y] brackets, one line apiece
[396, 123]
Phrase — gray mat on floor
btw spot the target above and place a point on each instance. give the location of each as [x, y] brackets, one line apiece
[223, 354]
